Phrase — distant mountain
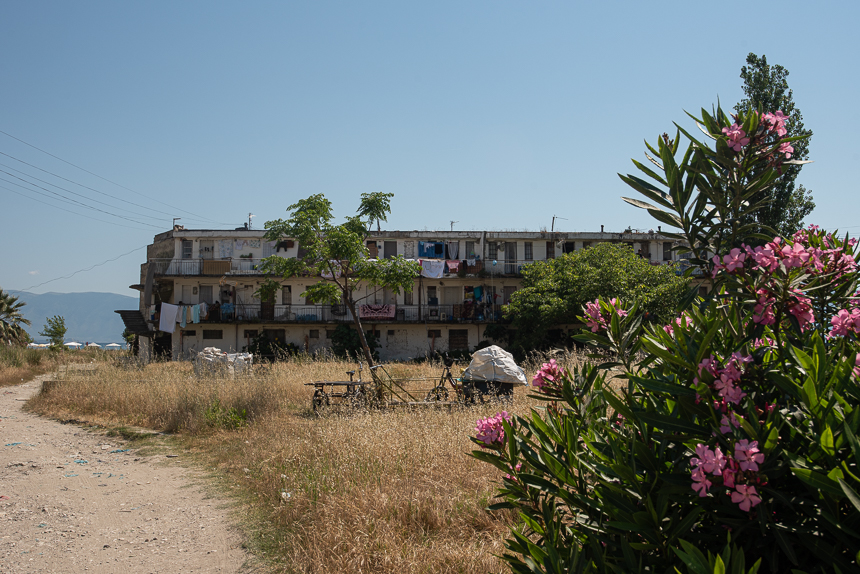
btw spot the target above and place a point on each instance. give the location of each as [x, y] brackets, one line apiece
[89, 316]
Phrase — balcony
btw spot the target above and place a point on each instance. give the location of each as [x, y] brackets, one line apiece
[202, 267]
[262, 313]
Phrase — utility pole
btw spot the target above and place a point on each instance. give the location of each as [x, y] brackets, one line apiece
[175, 219]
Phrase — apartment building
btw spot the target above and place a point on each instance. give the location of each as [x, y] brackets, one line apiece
[467, 276]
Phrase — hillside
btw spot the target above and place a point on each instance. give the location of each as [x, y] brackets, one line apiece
[89, 316]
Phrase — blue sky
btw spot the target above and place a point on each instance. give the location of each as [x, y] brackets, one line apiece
[497, 115]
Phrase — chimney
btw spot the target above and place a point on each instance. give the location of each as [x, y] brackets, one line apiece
[601, 229]
[659, 230]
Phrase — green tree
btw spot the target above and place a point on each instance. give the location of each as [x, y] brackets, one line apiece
[554, 291]
[766, 90]
[337, 255]
[11, 320]
[55, 331]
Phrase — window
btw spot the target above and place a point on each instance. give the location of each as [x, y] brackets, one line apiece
[250, 333]
[569, 246]
[432, 298]
[373, 333]
[329, 333]
[431, 333]
[407, 297]
[206, 294]
[550, 250]
[187, 249]
[314, 333]
[492, 251]
[213, 334]
[667, 251]
[372, 249]
[528, 251]
[458, 340]
[470, 250]
[286, 295]
[390, 249]
[189, 333]
[391, 332]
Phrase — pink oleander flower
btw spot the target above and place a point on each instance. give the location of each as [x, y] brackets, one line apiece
[701, 484]
[727, 422]
[780, 118]
[843, 322]
[748, 455]
[594, 319]
[765, 257]
[549, 375]
[620, 312]
[787, 149]
[766, 342]
[731, 261]
[710, 461]
[856, 370]
[736, 137]
[763, 311]
[490, 430]
[802, 310]
[709, 365]
[746, 497]
[794, 256]
[517, 468]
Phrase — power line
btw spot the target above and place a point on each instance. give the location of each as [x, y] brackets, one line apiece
[100, 177]
[90, 268]
[97, 191]
[75, 193]
[124, 226]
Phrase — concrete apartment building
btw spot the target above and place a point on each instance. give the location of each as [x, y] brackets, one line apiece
[466, 278]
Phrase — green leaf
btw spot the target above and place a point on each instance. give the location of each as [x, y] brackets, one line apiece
[826, 442]
[849, 492]
[819, 481]
[673, 424]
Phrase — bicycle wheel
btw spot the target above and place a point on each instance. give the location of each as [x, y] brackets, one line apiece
[437, 394]
[319, 400]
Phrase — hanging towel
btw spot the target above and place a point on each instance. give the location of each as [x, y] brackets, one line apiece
[195, 314]
[454, 249]
[470, 262]
[432, 269]
[204, 311]
[453, 266]
[183, 314]
[479, 292]
[167, 322]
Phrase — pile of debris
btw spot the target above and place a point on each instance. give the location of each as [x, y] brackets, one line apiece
[214, 361]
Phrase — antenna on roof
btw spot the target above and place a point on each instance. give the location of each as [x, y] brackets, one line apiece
[452, 224]
[250, 215]
[554, 217]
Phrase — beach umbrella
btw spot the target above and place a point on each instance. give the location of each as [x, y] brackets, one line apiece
[94, 345]
[73, 344]
[113, 346]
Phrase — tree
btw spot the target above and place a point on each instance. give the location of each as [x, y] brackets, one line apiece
[11, 320]
[55, 331]
[337, 255]
[766, 90]
[554, 291]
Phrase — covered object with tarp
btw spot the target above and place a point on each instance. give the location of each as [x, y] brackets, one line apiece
[493, 371]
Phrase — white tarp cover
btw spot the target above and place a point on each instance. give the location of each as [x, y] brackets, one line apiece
[494, 364]
[212, 358]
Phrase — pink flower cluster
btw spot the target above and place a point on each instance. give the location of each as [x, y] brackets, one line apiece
[595, 319]
[724, 380]
[775, 122]
[490, 430]
[682, 321]
[549, 375]
[736, 472]
[845, 322]
[737, 138]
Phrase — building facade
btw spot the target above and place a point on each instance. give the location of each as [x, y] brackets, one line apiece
[467, 276]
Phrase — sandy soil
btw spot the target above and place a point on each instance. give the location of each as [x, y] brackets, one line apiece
[76, 501]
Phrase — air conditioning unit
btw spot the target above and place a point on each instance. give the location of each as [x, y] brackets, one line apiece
[443, 316]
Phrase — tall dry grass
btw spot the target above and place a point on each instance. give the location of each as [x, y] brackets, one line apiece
[353, 491]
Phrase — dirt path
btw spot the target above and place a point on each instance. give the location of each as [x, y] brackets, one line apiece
[76, 501]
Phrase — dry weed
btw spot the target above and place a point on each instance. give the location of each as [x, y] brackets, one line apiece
[355, 491]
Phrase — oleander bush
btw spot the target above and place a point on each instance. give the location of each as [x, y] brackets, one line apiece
[732, 444]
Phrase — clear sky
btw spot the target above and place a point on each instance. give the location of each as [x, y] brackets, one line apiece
[497, 115]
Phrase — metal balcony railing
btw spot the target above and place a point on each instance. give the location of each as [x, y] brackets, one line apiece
[262, 313]
[180, 267]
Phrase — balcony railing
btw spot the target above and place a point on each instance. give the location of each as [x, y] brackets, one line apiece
[180, 267]
[262, 313]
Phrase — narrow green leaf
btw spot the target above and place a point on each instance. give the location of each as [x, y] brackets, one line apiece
[818, 481]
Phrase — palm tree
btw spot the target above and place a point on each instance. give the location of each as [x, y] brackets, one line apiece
[11, 319]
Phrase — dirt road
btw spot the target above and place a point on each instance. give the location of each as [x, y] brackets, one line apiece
[76, 501]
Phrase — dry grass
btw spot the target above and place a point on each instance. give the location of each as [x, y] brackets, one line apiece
[355, 491]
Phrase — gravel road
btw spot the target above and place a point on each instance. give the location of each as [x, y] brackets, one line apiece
[72, 500]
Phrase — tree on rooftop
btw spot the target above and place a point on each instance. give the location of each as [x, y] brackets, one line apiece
[766, 90]
[11, 319]
[337, 255]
